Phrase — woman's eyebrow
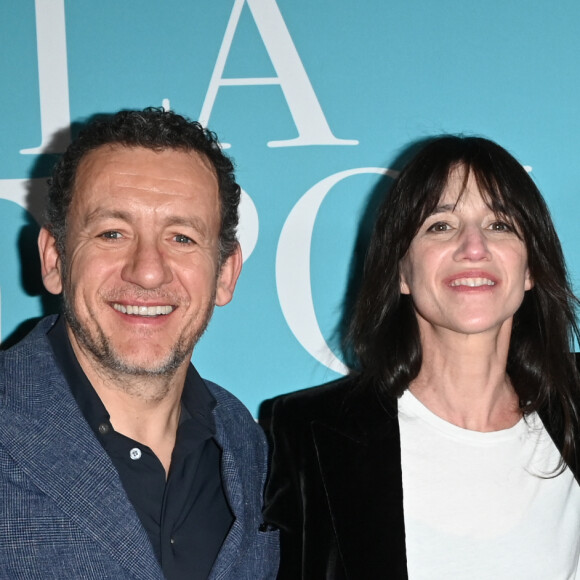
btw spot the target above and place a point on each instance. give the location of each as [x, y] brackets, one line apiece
[448, 207]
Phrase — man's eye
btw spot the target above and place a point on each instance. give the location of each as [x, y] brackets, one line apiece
[112, 235]
[439, 227]
[181, 239]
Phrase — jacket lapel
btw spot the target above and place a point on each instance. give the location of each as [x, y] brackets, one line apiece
[57, 450]
[234, 490]
[552, 420]
[360, 465]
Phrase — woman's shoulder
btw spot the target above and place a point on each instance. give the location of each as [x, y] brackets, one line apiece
[314, 402]
[344, 401]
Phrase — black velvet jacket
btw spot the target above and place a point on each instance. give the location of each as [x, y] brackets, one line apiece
[335, 488]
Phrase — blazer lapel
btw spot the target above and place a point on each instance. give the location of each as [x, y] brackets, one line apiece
[234, 490]
[62, 457]
[360, 465]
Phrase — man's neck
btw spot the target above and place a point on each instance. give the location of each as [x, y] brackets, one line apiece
[152, 423]
[145, 408]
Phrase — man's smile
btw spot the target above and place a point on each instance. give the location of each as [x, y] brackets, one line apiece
[137, 310]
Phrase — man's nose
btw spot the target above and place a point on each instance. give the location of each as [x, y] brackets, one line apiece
[146, 266]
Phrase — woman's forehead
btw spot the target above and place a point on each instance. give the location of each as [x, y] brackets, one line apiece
[465, 186]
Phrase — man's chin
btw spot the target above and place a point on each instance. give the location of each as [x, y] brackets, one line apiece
[119, 354]
[138, 365]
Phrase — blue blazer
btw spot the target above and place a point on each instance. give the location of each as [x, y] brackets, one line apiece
[63, 510]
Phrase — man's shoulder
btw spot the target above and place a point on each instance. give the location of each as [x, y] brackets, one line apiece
[30, 359]
[224, 398]
[35, 342]
[231, 415]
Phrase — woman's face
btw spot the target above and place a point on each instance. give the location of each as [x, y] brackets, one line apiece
[466, 269]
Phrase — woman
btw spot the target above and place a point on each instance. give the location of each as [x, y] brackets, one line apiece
[451, 451]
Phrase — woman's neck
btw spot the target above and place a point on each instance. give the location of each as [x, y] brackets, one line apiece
[463, 380]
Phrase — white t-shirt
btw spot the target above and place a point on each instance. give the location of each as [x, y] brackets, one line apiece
[476, 505]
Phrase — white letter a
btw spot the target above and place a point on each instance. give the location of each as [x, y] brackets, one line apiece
[292, 78]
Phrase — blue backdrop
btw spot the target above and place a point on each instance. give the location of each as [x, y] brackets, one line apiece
[316, 101]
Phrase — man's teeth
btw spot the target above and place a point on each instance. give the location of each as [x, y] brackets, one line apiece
[473, 282]
[143, 310]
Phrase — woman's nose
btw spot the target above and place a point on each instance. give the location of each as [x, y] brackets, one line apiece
[473, 245]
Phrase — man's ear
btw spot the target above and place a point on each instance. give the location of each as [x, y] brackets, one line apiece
[228, 277]
[51, 266]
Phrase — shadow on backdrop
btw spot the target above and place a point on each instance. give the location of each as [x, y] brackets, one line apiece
[36, 197]
[364, 232]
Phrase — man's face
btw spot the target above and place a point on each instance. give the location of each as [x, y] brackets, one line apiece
[142, 275]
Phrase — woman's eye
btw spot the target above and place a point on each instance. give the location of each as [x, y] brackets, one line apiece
[501, 227]
[439, 227]
[181, 239]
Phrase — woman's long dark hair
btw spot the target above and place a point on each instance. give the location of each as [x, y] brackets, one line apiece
[384, 333]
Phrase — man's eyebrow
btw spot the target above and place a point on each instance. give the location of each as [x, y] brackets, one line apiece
[172, 220]
[187, 222]
[102, 213]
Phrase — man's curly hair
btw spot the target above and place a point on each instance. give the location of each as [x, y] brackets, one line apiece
[152, 128]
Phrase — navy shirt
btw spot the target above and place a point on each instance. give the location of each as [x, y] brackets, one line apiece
[186, 516]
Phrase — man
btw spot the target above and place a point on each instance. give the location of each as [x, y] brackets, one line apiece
[116, 459]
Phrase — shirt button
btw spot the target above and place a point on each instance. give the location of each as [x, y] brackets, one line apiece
[135, 453]
[172, 540]
[104, 428]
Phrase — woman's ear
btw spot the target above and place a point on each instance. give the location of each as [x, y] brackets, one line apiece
[51, 266]
[528, 283]
[403, 278]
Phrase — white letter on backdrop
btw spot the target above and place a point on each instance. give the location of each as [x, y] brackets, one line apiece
[306, 111]
[52, 76]
[249, 225]
[293, 268]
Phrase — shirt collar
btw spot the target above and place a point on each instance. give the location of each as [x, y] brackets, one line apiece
[197, 402]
